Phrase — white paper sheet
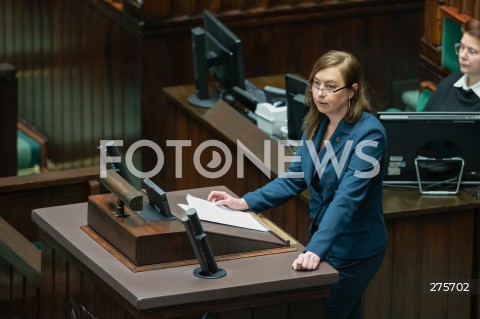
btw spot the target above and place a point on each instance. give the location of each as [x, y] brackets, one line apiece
[208, 211]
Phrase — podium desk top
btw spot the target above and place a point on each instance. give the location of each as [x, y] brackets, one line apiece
[269, 274]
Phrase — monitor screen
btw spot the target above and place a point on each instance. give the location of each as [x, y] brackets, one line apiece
[296, 110]
[432, 146]
[217, 55]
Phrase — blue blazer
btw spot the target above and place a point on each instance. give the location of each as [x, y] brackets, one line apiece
[345, 184]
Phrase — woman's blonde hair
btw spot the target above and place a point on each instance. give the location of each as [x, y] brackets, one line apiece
[352, 74]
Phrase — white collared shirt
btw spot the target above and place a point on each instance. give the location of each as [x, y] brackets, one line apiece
[462, 83]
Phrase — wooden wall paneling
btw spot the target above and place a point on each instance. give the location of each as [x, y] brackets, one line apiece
[47, 285]
[46, 122]
[31, 304]
[16, 207]
[279, 312]
[438, 238]
[212, 5]
[468, 7]
[475, 307]
[16, 293]
[19, 273]
[148, 10]
[263, 57]
[67, 73]
[20, 195]
[166, 177]
[440, 248]
[68, 38]
[406, 267]
[3, 31]
[80, 55]
[253, 178]
[198, 137]
[88, 50]
[455, 3]
[75, 284]
[19, 298]
[377, 299]
[37, 59]
[89, 290]
[8, 119]
[433, 249]
[461, 247]
[57, 85]
[60, 278]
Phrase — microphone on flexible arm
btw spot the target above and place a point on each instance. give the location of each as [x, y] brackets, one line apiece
[208, 266]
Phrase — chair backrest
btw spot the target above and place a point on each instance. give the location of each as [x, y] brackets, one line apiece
[452, 33]
[423, 99]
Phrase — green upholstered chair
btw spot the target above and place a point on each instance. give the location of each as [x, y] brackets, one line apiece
[423, 98]
[451, 34]
[28, 154]
[31, 150]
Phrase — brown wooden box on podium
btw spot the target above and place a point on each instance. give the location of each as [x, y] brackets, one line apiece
[142, 245]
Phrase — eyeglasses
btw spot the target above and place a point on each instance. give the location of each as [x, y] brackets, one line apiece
[315, 89]
[460, 47]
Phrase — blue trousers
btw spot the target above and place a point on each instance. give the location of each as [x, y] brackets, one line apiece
[345, 298]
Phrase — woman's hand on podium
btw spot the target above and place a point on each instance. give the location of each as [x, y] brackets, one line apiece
[227, 200]
[306, 261]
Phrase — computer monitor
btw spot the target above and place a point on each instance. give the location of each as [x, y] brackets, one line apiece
[432, 146]
[217, 53]
[296, 109]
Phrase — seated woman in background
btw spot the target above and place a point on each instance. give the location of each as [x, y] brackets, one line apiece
[460, 91]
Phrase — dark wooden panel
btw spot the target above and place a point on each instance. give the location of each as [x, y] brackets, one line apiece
[8, 120]
[77, 83]
[19, 273]
[424, 249]
[377, 300]
[80, 82]
[19, 195]
[16, 292]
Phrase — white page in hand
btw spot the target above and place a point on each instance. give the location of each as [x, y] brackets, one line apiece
[208, 211]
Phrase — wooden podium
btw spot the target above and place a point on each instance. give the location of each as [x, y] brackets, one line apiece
[79, 272]
[142, 245]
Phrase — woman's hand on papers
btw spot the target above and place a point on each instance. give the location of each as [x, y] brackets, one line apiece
[224, 199]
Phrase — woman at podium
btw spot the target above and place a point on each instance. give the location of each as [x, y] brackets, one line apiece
[341, 163]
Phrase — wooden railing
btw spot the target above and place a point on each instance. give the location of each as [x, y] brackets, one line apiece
[20, 267]
[19, 195]
[20, 260]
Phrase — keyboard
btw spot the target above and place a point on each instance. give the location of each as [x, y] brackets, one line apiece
[257, 93]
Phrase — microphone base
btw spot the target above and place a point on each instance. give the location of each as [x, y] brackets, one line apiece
[219, 274]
